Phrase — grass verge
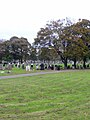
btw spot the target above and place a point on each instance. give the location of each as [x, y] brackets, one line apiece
[61, 96]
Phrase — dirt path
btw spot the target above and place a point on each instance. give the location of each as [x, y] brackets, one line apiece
[33, 74]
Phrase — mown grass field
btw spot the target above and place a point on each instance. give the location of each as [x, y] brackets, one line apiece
[61, 96]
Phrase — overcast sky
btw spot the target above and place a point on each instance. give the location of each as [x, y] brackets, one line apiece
[24, 18]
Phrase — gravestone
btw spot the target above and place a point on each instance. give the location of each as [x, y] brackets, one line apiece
[37, 67]
[1, 66]
[31, 66]
[23, 66]
[27, 68]
[9, 67]
[42, 66]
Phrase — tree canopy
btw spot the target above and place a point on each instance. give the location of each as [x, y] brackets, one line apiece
[70, 40]
[62, 40]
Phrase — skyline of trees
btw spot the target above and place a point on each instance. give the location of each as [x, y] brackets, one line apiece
[59, 40]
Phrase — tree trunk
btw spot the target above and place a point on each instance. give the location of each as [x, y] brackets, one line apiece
[75, 63]
[84, 63]
[21, 60]
[65, 63]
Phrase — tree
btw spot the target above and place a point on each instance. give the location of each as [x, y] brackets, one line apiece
[70, 40]
[73, 40]
[7, 55]
[33, 54]
[53, 35]
[44, 44]
[82, 28]
[2, 51]
[20, 48]
[47, 54]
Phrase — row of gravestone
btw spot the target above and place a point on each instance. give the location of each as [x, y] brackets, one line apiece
[42, 67]
[7, 67]
[38, 67]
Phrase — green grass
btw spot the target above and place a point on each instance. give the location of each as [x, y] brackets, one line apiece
[16, 71]
[61, 96]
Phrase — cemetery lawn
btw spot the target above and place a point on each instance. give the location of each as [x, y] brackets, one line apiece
[16, 71]
[59, 96]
